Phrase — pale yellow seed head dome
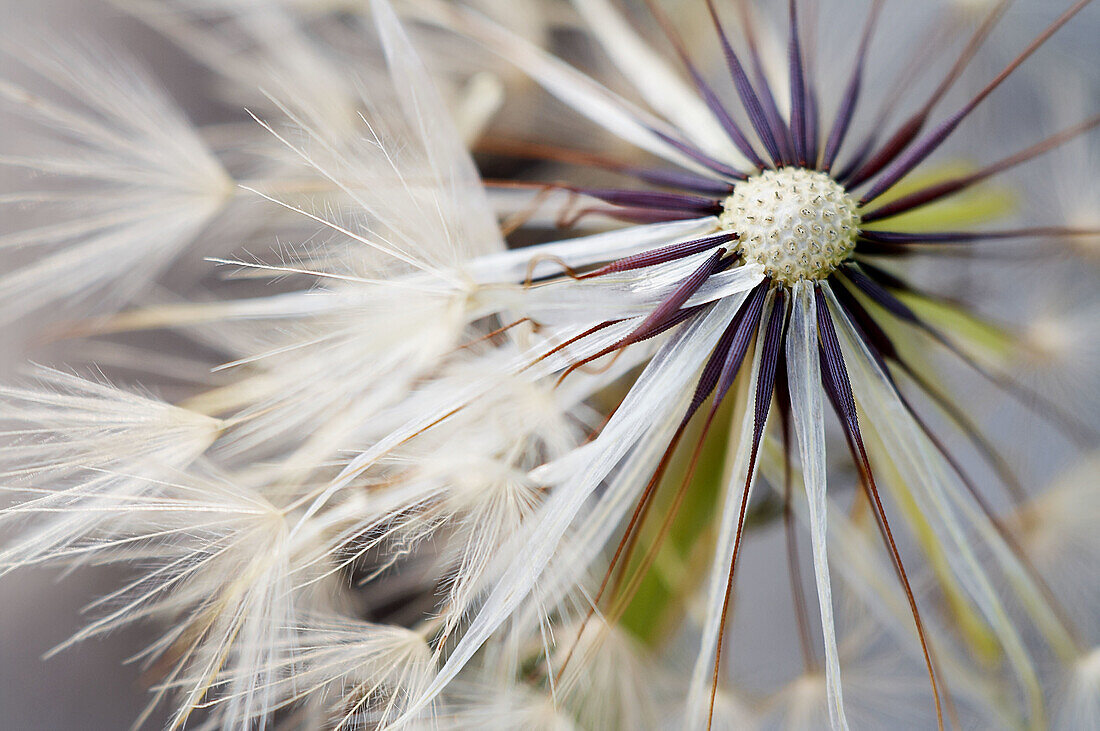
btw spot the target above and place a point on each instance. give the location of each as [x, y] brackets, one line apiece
[797, 223]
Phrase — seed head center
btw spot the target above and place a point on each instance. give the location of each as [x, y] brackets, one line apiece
[797, 223]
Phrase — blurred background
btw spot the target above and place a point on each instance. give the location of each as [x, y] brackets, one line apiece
[88, 686]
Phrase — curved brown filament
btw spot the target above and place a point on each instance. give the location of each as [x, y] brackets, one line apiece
[529, 277]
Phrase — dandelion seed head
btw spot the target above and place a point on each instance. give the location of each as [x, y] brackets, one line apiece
[392, 506]
[797, 223]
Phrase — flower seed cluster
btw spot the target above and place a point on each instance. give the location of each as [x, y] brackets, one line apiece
[797, 223]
